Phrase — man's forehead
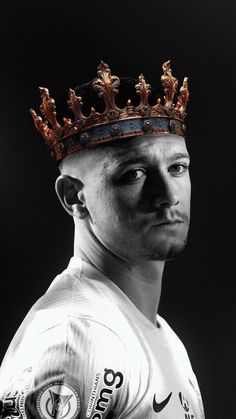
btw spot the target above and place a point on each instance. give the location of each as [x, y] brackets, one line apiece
[166, 147]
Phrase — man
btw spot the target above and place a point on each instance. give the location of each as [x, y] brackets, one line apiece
[94, 346]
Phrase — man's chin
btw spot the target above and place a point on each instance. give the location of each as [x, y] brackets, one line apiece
[164, 252]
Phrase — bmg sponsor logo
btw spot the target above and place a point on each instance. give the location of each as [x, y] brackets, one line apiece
[111, 382]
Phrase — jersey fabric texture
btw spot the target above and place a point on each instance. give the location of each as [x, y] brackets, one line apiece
[85, 351]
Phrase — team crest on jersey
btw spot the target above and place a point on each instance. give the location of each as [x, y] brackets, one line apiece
[58, 401]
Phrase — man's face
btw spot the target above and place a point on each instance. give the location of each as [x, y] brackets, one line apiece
[138, 197]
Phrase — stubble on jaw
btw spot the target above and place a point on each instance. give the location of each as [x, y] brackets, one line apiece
[162, 254]
[166, 250]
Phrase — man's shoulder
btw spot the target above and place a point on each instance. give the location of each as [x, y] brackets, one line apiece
[75, 303]
[71, 317]
[76, 296]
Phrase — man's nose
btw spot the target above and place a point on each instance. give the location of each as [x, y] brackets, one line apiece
[166, 194]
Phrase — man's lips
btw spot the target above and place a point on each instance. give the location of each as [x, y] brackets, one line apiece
[169, 222]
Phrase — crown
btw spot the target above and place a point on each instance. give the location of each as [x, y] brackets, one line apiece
[113, 123]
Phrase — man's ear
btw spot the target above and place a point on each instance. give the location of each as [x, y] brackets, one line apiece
[71, 195]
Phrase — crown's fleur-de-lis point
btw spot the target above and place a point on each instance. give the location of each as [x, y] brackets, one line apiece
[103, 68]
[169, 84]
[113, 122]
[183, 97]
[184, 88]
[143, 89]
[166, 68]
[42, 127]
[48, 108]
[106, 85]
[75, 104]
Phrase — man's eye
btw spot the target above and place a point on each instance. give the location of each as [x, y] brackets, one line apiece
[133, 175]
[178, 168]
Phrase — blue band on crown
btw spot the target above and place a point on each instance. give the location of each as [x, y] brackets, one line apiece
[122, 129]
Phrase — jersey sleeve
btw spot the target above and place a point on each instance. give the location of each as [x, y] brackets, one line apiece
[76, 369]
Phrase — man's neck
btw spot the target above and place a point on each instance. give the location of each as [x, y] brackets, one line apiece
[141, 281]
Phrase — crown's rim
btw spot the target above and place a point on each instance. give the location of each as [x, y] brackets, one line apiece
[118, 130]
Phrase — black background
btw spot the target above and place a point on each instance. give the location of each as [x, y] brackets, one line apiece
[59, 45]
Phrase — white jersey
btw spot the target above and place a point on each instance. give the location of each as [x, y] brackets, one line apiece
[85, 351]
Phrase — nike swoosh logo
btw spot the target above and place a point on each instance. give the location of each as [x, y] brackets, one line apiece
[157, 407]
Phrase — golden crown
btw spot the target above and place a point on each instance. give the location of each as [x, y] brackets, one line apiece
[114, 123]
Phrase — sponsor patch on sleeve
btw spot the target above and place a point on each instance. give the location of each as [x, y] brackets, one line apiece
[104, 388]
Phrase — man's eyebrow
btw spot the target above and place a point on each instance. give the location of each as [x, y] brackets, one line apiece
[139, 159]
[177, 156]
[131, 160]
[122, 159]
